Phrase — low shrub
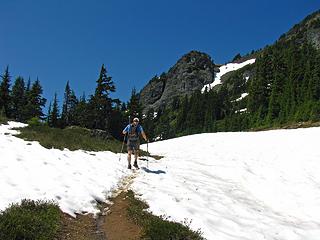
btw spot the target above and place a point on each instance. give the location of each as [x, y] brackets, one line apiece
[30, 220]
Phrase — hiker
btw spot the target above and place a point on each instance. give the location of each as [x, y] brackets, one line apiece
[133, 143]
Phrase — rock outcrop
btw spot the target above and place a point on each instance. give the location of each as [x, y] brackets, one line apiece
[189, 74]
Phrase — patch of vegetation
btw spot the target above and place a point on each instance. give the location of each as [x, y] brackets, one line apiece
[3, 120]
[155, 227]
[290, 125]
[73, 138]
[32, 220]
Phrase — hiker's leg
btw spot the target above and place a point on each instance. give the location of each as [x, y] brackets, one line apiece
[136, 155]
[129, 156]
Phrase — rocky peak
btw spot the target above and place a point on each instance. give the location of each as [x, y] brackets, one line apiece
[189, 74]
[307, 30]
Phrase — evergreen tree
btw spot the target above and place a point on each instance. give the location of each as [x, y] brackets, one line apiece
[49, 114]
[66, 106]
[69, 107]
[101, 102]
[35, 101]
[134, 106]
[18, 99]
[81, 115]
[54, 114]
[5, 93]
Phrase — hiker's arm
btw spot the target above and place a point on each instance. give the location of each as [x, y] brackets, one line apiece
[124, 132]
[144, 136]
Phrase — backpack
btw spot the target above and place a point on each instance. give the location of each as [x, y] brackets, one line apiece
[133, 134]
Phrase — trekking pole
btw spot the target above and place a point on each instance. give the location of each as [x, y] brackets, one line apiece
[124, 137]
[148, 154]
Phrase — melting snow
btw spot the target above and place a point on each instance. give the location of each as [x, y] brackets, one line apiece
[225, 69]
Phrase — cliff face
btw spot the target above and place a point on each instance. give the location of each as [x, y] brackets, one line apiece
[307, 30]
[189, 74]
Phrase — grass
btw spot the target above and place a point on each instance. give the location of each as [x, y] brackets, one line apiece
[158, 228]
[30, 220]
[73, 138]
[3, 120]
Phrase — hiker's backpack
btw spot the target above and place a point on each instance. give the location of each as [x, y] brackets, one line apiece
[133, 133]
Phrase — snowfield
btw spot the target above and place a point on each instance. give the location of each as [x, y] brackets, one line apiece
[245, 185]
[225, 69]
[75, 179]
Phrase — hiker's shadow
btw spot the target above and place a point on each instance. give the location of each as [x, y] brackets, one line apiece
[147, 170]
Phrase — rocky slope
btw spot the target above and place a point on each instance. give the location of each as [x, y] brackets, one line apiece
[196, 69]
[189, 74]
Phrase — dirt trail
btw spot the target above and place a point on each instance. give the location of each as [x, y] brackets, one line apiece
[111, 224]
[114, 221]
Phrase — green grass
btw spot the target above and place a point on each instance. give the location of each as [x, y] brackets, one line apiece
[30, 220]
[3, 120]
[73, 138]
[158, 228]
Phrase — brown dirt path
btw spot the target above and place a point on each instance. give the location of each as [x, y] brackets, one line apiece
[111, 224]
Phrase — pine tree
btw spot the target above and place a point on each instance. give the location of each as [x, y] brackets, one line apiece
[35, 101]
[49, 114]
[18, 99]
[68, 108]
[54, 114]
[81, 113]
[134, 106]
[101, 101]
[5, 93]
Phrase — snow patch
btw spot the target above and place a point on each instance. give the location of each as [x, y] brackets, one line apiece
[225, 69]
[75, 179]
[241, 185]
[241, 110]
[243, 95]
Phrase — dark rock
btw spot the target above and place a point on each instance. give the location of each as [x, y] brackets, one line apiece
[189, 74]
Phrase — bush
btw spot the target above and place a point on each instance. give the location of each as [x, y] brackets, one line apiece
[30, 220]
[34, 122]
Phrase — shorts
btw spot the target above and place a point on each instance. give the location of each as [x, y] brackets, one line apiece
[133, 145]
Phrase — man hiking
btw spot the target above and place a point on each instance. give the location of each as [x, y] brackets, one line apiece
[133, 143]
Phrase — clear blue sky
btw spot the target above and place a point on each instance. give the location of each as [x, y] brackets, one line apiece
[61, 40]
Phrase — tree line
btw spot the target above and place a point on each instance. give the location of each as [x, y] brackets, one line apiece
[23, 102]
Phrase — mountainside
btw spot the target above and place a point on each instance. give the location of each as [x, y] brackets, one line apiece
[277, 85]
[306, 31]
[189, 74]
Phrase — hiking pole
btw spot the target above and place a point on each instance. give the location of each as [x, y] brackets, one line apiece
[124, 137]
[148, 153]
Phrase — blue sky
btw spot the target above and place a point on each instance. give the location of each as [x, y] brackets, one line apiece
[60, 41]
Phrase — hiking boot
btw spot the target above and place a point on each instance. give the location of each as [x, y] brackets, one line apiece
[135, 164]
[129, 166]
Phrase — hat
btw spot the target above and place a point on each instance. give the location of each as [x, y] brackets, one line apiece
[136, 119]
